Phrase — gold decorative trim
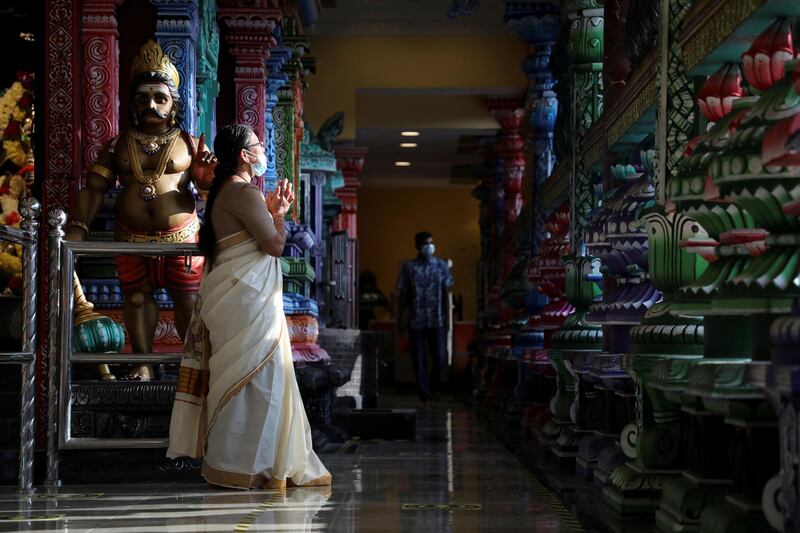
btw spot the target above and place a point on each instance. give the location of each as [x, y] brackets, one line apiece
[715, 28]
[593, 154]
[184, 234]
[645, 99]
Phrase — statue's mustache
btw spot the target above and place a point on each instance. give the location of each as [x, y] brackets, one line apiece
[154, 112]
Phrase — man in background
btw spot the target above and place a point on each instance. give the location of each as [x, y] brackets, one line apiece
[423, 287]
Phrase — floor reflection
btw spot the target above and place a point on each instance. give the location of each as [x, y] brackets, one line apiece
[455, 477]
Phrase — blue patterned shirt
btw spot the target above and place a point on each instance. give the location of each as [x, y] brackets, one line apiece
[425, 281]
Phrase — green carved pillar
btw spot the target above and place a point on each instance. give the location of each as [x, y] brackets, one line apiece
[577, 336]
[585, 52]
[757, 170]
[663, 336]
[667, 340]
[571, 343]
[207, 61]
[737, 188]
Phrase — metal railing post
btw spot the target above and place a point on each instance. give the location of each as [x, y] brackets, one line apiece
[30, 209]
[61, 256]
[56, 219]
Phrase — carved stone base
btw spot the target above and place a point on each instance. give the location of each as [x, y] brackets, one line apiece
[561, 439]
[137, 465]
[125, 409]
[734, 516]
[318, 384]
[683, 500]
[566, 447]
[635, 492]
[534, 418]
[608, 460]
[589, 450]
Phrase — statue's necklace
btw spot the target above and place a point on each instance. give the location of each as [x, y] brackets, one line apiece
[150, 144]
[148, 190]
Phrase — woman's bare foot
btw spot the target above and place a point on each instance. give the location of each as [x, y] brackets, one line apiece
[322, 481]
[140, 373]
[275, 484]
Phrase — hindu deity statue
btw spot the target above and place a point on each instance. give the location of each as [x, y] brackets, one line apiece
[154, 163]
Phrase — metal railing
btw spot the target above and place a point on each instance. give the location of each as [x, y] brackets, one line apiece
[27, 237]
[61, 256]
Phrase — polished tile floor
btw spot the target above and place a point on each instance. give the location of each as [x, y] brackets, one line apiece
[454, 478]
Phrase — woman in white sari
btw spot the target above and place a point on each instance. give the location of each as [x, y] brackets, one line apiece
[237, 403]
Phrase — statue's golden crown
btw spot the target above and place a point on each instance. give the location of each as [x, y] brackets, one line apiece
[152, 58]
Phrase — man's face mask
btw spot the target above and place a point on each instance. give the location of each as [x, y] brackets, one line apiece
[427, 250]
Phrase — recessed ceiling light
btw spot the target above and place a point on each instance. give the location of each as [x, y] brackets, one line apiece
[409, 133]
[402, 163]
[408, 145]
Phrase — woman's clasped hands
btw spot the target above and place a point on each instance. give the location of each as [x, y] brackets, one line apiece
[280, 199]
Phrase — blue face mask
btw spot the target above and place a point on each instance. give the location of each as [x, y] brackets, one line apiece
[427, 250]
[260, 166]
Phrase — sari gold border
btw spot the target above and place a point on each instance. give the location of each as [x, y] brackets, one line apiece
[236, 239]
[239, 385]
[232, 479]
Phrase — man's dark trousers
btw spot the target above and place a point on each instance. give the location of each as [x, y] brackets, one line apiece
[427, 342]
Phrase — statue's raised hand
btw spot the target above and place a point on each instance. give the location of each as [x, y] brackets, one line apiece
[203, 165]
[280, 199]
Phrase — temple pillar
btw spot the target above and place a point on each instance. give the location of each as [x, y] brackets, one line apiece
[100, 40]
[344, 257]
[276, 79]
[509, 112]
[350, 160]
[176, 32]
[207, 86]
[537, 23]
[63, 158]
[249, 39]
[578, 338]
[283, 116]
[289, 112]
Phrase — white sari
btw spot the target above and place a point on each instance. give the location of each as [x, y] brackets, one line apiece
[237, 403]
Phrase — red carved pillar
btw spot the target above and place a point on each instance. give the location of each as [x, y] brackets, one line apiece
[249, 38]
[508, 112]
[100, 76]
[350, 160]
[62, 157]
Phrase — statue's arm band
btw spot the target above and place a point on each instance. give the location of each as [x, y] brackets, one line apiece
[103, 171]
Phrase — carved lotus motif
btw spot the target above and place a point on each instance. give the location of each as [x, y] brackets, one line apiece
[717, 94]
[764, 62]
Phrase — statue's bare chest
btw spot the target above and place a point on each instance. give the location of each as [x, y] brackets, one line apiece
[177, 161]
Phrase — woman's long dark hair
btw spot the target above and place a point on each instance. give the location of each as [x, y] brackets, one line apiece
[228, 145]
